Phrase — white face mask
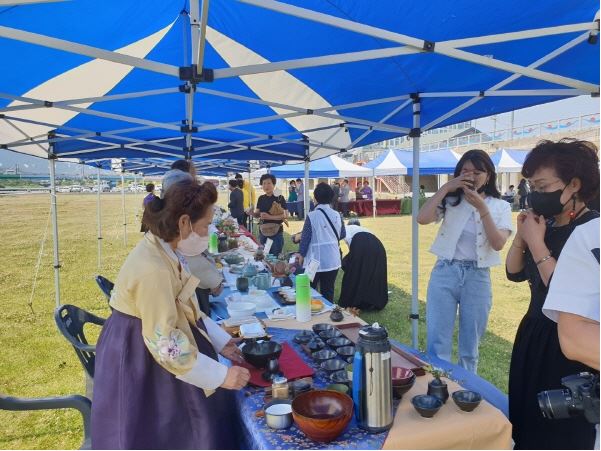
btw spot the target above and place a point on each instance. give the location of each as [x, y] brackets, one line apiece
[193, 245]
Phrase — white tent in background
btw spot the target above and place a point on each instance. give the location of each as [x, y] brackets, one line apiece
[509, 160]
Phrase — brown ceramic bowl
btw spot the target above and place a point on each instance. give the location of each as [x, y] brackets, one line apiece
[322, 414]
[399, 390]
[401, 376]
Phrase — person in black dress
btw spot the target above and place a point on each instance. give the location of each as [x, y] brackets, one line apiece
[365, 280]
[564, 176]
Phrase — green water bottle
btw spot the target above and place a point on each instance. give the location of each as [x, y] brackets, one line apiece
[213, 243]
[303, 298]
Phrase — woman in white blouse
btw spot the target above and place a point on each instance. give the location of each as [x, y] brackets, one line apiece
[158, 381]
[476, 224]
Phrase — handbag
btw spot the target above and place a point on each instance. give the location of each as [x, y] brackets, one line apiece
[269, 229]
[333, 229]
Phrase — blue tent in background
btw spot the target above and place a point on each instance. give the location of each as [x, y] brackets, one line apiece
[268, 80]
[400, 162]
[329, 167]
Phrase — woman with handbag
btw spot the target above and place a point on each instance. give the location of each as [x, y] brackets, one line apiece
[271, 209]
[322, 231]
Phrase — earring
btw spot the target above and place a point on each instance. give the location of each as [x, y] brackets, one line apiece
[572, 213]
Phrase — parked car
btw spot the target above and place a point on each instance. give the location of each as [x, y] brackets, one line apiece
[75, 189]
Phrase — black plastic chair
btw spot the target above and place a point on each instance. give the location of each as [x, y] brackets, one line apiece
[105, 285]
[81, 403]
[70, 320]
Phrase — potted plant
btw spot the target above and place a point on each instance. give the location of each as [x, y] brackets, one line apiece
[437, 387]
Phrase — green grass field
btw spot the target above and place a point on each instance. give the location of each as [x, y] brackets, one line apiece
[37, 361]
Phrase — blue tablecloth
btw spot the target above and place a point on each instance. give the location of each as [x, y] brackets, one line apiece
[258, 435]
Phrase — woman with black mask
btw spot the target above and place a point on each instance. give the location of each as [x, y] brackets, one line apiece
[564, 176]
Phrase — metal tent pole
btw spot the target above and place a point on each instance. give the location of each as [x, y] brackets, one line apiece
[57, 284]
[250, 199]
[373, 192]
[415, 134]
[98, 219]
[123, 208]
[306, 190]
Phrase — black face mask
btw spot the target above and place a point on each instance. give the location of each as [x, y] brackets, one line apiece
[546, 204]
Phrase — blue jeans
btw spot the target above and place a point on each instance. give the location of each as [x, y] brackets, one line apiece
[458, 283]
[278, 242]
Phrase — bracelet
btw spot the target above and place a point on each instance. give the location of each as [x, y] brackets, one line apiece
[484, 215]
[544, 259]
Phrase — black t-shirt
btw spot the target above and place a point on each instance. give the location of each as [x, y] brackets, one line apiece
[265, 202]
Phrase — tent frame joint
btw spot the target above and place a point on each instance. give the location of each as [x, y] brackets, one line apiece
[595, 94]
[414, 316]
[415, 132]
[190, 73]
[428, 46]
[187, 129]
[48, 104]
[187, 88]
[593, 36]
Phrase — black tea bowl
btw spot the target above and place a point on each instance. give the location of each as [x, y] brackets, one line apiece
[323, 355]
[331, 333]
[321, 327]
[333, 365]
[467, 400]
[304, 337]
[426, 405]
[259, 353]
[338, 342]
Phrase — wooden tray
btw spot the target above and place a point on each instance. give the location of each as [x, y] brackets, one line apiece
[399, 357]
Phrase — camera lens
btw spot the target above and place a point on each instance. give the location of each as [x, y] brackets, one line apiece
[557, 404]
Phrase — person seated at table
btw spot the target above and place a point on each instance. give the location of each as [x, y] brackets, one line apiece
[476, 224]
[158, 383]
[180, 170]
[366, 191]
[210, 281]
[509, 195]
[322, 232]
[236, 204]
[365, 281]
[271, 209]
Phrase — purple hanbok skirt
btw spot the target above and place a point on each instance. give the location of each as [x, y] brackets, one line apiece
[140, 405]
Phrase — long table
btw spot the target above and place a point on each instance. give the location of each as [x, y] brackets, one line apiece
[383, 207]
[485, 428]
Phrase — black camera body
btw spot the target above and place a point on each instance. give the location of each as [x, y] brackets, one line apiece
[580, 397]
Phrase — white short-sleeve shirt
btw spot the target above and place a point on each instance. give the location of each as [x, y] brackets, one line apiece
[574, 286]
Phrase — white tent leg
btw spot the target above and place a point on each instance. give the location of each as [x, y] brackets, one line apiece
[250, 200]
[373, 193]
[306, 190]
[123, 208]
[414, 229]
[57, 285]
[98, 219]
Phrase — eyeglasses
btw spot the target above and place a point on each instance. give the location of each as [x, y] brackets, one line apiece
[544, 188]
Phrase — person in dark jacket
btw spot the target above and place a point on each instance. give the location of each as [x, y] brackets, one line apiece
[236, 204]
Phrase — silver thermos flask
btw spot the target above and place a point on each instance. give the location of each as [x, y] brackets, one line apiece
[372, 379]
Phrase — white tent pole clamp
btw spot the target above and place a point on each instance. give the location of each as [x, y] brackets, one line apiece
[99, 219]
[414, 226]
[123, 208]
[57, 266]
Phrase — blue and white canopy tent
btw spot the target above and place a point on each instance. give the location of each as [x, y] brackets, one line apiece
[400, 162]
[509, 160]
[329, 167]
[262, 79]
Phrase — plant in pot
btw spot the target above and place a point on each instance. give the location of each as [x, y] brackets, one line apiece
[438, 387]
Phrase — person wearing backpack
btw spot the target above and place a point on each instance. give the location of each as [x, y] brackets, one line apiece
[320, 240]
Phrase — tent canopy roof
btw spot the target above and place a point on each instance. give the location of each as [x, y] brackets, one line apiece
[400, 162]
[285, 81]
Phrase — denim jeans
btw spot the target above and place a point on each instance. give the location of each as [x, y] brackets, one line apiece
[278, 242]
[458, 283]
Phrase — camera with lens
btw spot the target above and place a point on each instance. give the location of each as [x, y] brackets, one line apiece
[580, 397]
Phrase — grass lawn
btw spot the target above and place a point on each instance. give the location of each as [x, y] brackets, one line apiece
[37, 361]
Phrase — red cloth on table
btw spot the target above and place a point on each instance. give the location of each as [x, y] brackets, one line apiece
[244, 231]
[291, 364]
[383, 207]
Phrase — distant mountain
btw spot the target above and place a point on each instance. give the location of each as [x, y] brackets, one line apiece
[34, 165]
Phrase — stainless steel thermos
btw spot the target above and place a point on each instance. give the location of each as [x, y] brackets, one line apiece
[372, 379]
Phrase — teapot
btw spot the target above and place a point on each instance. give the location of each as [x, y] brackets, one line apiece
[249, 270]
